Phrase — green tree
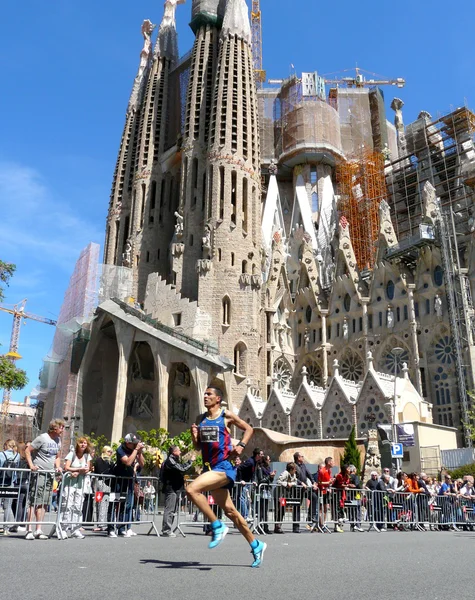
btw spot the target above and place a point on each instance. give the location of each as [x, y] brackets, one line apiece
[11, 378]
[352, 456]
[6, 271]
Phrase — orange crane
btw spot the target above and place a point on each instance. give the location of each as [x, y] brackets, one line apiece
[19, 315]
[256, 29]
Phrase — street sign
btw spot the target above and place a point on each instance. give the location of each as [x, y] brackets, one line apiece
[397, 451]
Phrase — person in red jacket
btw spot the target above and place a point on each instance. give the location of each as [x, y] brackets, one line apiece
[340, 484]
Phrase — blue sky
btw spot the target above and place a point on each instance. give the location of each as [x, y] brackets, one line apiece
[67, 69]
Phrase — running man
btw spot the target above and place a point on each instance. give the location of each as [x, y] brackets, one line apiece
[212, 436]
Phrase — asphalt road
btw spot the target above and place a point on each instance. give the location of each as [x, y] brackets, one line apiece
[409, 565]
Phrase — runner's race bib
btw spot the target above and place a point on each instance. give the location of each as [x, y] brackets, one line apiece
[209, 433]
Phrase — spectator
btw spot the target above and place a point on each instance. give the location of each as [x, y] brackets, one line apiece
[128, 454]
[423, 500]
[392, 480]
[43, 456]
[138, 495]
[305, 479]
[23, 481]
[246, 475]
[448, 494]
[149, 494]
[264, 478]
[354, 494]
[88, 501]
[371, 485]
[104, 465]
[9, 459]
[381, 502]
[325, 480]
[467, 497]
[172, 476]
[288, 481]
[77, 465]
[340, 484]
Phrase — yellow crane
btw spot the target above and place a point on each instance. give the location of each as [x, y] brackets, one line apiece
[256, 29]
[19, 316]
[359, 80]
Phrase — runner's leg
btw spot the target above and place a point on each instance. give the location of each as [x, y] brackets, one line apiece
[223, 500]
[206, 482]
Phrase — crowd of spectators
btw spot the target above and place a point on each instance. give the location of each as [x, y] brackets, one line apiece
[115, 496]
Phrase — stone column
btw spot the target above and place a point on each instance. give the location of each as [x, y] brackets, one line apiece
[415, 343]
[364, 304]
[324, 348]
[121, 390]
[162, 392]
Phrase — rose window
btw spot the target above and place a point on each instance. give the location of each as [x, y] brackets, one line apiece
[352, 367]
[282, 374]
[394, 362]
[444, 350]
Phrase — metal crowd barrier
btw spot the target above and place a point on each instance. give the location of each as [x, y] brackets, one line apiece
[23, 493]
[109, 502]
[106, 502]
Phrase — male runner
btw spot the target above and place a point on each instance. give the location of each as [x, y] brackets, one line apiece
[212, 436]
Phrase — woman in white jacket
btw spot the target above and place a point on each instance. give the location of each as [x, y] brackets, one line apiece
[286, 482]
[77, 465]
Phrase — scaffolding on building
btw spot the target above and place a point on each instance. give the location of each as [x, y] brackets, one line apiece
[442, 152]
[362, 186]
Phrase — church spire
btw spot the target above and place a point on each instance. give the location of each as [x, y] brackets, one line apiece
[167, 40]
[236, 20]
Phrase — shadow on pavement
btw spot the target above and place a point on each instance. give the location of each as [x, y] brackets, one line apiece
[170, 564]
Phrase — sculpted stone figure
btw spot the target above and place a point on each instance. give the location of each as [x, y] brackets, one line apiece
[169, 12]
[390, 318]
[127, 254]
[179, 225]
[345, 329]
[438, 306]
[147, 30]
[206, 242]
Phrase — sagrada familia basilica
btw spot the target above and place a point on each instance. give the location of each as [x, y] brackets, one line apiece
[290, 242]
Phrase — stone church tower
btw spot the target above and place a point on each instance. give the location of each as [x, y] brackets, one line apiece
[186, 197]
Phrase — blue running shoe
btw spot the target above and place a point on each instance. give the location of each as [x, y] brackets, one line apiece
[219, 533]
[258, 554]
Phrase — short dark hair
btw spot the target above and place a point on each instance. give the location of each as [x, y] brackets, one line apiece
[218, 391]
[328, 459]
[172, 449]
[296, 456]
[256, 451]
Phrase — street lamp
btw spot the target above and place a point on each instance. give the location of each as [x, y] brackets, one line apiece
[396, 352]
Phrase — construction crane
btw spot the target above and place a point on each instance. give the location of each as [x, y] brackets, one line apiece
[19, 315]
[256, 29]
[360, 80]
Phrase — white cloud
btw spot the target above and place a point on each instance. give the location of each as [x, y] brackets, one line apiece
[36, 224]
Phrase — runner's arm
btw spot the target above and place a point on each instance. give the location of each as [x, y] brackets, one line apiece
[232, 419]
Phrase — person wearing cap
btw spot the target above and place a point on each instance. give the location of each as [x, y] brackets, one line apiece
[129, 461]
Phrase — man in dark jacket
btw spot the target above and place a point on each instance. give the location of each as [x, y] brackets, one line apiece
[173, 481]
[246, 477]
[304, 478]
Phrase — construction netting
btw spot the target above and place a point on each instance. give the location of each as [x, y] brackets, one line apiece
[90, 284]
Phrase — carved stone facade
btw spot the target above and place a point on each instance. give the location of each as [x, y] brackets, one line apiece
[237, 238]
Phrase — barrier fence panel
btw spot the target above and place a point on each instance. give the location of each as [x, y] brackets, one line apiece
[25, 496]
[109, 502]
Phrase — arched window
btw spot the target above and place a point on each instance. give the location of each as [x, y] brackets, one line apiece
[347, 302]
[438, 275]
[226, 310]
[390, 290]
[244, 267]
[240, 359]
